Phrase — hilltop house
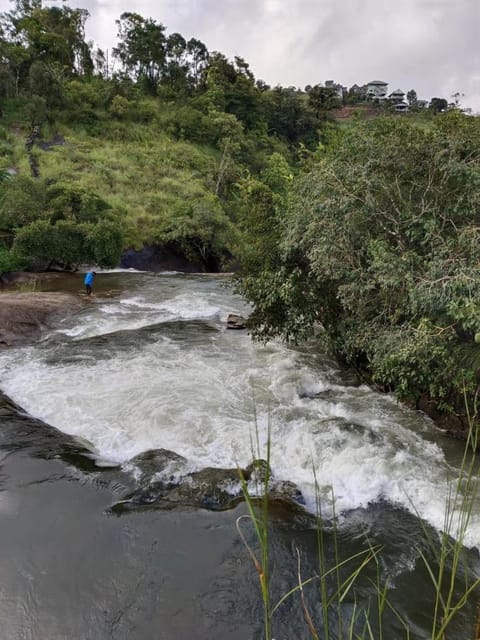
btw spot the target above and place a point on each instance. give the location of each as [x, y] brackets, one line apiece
[397, 96]
[377, 90]
[397, 100]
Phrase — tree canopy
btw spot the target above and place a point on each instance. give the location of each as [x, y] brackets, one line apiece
[379, 257]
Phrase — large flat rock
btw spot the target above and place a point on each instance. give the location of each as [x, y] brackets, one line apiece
[23, 316]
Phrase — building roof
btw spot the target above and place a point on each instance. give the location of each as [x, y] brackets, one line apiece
[379, 82]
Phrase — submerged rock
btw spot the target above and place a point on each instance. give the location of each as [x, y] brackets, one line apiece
[23, 316]
[162, 485]
[235, 321]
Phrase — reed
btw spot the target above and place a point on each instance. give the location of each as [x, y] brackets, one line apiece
[448, 567]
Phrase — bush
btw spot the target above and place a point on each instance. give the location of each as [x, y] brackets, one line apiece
[10, 261]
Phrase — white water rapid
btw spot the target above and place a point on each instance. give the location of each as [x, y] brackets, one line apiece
[152, 365]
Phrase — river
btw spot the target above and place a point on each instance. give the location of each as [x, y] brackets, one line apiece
[98, 541]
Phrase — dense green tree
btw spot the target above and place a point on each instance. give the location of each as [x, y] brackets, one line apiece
[106, 241]
[142, 48]
[438, 105]
[64, 243]
[264, 200]
[288, 116]
[68, 202]
[40, 49]
[231, 88]
[176, 66]
[53, 35]
[412, 97]
[10, 261]
[197, 55]
[22, 202]
[322, 100]
[381, 249]
[69, 244]
[201, 230]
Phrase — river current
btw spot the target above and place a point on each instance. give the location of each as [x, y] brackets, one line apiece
[149, 364]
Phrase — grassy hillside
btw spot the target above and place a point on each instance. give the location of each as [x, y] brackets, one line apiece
[161, 188]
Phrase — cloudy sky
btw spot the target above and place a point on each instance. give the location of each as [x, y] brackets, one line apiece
[432, 46]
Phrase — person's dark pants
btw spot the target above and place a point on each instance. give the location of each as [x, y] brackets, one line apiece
[88, 288]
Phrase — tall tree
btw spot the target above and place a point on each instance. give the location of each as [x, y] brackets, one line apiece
[176, 65]
[322, 100]
[142, 48]
[197, 58]
[438, 105]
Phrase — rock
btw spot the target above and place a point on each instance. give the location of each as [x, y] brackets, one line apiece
[18, 278]
[258, 470]
[23, 316]
[288, 490]
[235, 321]
[155, 461]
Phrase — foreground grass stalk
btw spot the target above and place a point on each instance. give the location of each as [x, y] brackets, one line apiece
[335, 589]
[306, 612]
[260, 524]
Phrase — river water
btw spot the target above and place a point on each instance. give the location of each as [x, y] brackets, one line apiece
[94, 544]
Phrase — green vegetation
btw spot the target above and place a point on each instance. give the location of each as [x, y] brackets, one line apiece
[338, 609]
[166, 140]
[378, 256]
[157, 147]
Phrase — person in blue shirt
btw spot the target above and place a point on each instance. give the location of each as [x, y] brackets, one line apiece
[88, 282]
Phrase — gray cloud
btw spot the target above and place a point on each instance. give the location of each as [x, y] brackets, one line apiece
[431, 46]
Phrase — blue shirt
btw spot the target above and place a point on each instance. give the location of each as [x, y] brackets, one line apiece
[89, 278]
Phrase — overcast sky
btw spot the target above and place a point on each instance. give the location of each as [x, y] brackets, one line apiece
[432, 46]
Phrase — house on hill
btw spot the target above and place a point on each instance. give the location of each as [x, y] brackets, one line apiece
[377, 90]
[397, 96]
[397, 100]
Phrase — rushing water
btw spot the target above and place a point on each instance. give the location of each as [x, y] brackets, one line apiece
[149, 364]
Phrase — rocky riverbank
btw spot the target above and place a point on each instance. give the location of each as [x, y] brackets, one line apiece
[23, 316]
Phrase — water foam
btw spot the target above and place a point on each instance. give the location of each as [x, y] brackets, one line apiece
[198, 396]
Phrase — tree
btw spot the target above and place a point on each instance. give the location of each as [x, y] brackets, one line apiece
[322, 100]
[142, 48]
[261, 265]
[438, 105]
[288, 116]
[23, 201]
[412, 97]
[68, 202]
[229, 134]
[41, 48]
[176, 66]
[63, 243]
[197, 59]
[69, 244]
[200, 229]
[231, 88]
[381, 248]
[53, 35]
[107, 241]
